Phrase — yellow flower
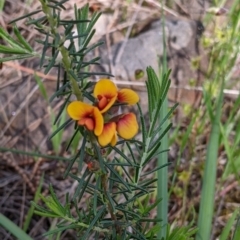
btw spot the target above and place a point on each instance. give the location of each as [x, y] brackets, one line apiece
[91, 117]
[109, 135]
[107, 94]
[125, 126]
[128, 96]
[86, 115]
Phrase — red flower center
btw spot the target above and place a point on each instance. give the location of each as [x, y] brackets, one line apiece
[102, 102]
[88, 122]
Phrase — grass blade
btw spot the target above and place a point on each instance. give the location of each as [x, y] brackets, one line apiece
[227, 228]
[209, 178]
[162, 174]
[237, 230]
[13, 228]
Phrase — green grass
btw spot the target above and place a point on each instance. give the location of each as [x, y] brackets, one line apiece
[224, 128]
[13, 228]
[2, 5]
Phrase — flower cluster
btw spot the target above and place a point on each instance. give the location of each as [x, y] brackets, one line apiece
[95, 117]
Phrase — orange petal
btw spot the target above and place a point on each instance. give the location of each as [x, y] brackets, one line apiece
[105, 87]
[114, 139]
[106, 92]
[127, 126]
[127, 96]
[98, 120]
[108, 134]
[78, 110]
[87, 122]
[87, 115]
[102, 103]
[111, 101]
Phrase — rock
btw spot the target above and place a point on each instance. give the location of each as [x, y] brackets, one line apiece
[147, 48]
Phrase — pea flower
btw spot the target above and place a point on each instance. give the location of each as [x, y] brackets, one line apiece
[108, 135]
[107, 94]
[86, 115]
[125, 126]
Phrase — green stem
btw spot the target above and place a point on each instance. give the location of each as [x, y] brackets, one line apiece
[66, 61]
[209, 178]
[97, 229]
[162, 184]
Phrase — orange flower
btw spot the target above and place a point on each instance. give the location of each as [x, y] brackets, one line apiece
[86, 115]
[107, 93]
[126, 126]
[128, 96]
[109, 134]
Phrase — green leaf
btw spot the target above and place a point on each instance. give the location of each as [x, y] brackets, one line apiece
[157, 130]
[237, 230]
[129, 212]
[46, 214]
[8, 38]
[61, 229]
[15, 57]
[118, 177]
[62, 108]
[59, 206]
[82, 185]
[152, 231]
[143, 126]
[42, 211]
[45, 47]
[59, 92]
[82, 152]
[51, 63]
[98, 44]
[31, 209]
[73, 21]
[2, 5]
[9, 50]
[21, 39]
[75, 139]
[156, 169]
[159, 138]
[71, 162]
[152, 206]
[227, 229]
[60, 128]
[98, 215]
[122, 155]
[41, 87]
[60, 4]
[95, 196]
[122, 166]
[13, 228]
[210, 171]
[25, 16]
